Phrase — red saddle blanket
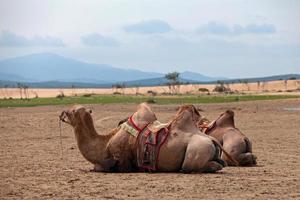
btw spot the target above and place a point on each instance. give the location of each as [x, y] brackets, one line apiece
[148, 148]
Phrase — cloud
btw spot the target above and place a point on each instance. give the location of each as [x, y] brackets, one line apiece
[95, 39]
[10, 39]
[218, 28]
[255, 29]
[149, 27]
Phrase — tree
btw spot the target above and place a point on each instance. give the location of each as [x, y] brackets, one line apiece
[73, 90]
[258, 86]
[20, 86]
[285, 82]
[137, 89]
[220, 87]
[245, 81]
[174, 82]
[118, 87]
[26, 94]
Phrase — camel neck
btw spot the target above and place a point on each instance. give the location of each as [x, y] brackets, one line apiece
[91, 145]
[185, 125]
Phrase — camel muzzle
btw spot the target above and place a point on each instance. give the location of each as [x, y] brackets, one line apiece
[63, 116]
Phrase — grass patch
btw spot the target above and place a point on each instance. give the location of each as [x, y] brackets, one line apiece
[108, 99]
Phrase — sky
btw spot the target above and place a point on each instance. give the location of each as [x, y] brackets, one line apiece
[228, 38]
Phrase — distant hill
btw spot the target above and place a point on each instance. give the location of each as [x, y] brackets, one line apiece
[199, 77]
[266, 78]
[45, 67]
[141, 83]
[51, 67]
[53, 71]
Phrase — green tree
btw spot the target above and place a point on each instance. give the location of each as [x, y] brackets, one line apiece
[174, 81]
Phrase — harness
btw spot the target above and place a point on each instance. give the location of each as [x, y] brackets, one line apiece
[149, 140]
[206, 128]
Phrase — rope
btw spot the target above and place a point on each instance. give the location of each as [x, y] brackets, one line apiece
[60, 135]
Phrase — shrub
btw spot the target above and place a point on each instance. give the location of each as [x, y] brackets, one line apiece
[117, 93]
[87, 95]
[151, 101]
[221, 88]
[153, 93]
[203, 90]
[61, 95]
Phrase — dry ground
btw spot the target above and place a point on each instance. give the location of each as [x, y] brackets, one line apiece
[32, 168]
[269, 87]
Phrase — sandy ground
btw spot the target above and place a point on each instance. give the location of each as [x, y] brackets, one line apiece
[261, 88]
[32, 168]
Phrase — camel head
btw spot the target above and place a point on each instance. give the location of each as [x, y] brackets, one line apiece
[76, 115]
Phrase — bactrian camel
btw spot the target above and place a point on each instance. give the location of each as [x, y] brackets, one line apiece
[186, 148]
[232, 139]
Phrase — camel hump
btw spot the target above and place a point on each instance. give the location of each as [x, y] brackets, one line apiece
[230, 112]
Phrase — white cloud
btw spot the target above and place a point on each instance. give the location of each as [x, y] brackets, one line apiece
[219, 28]
[8, 38]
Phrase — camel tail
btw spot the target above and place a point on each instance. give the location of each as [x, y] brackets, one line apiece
[248, 145]
[217, 143]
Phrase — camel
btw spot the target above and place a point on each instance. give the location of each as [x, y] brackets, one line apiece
[185, 149]
[91, 145]
[232, 139]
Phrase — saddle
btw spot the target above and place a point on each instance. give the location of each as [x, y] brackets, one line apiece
[149, 141]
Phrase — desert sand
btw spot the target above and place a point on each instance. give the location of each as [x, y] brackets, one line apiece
[32, 167]
[262, 87]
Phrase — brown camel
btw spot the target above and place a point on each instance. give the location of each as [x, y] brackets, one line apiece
[232, 139]
[91, 145]
[186, 148]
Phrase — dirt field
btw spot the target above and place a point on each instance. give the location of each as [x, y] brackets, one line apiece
[32, 168]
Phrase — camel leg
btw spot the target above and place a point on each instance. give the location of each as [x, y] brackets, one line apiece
[200, 150]
[247, 159]
[217, 157]
[97, 168]
[212, 166]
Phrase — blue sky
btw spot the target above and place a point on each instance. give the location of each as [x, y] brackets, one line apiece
[231, 38]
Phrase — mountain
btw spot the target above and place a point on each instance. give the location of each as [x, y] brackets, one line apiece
[12, 77]
[265, 78]
[199, 77]
[45, 67]
[140, 83]
[50, 67]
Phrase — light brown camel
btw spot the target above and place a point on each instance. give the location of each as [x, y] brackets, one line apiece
[91, 145]
[232, 139]
[186, 148]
